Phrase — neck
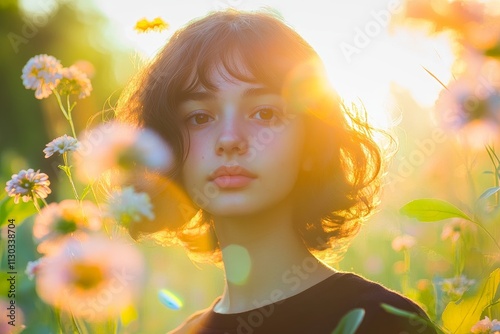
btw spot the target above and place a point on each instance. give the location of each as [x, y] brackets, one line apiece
[264, 260]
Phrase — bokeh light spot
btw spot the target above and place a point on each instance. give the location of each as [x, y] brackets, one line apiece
[242, 264]
[169, 299]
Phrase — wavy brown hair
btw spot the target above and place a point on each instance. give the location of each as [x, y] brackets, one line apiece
[332, 198]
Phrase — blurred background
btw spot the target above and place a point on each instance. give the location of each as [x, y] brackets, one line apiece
[370, 60]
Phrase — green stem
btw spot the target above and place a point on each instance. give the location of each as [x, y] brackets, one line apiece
[405, 283]
[70, 120]
[66, 111]
[68, 173]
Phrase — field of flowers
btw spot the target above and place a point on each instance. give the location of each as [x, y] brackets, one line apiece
[69, 265]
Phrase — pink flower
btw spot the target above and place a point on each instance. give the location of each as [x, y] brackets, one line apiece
[403, 242]
[57, 221]
[94, 279]
[486, 326]
[453, 230]
[74, 81]
[42, 73]
[28, 185]
[121, 148]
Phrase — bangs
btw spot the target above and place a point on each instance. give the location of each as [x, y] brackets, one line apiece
[245, 48]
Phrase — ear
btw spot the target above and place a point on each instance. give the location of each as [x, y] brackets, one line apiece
[307, 164]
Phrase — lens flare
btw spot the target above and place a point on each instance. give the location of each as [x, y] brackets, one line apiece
[169, 299]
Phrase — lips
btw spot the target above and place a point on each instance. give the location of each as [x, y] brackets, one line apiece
[232, 177]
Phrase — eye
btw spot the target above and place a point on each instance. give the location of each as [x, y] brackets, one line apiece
[266, 113]
[199, 119]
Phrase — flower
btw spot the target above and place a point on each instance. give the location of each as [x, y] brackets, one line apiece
[42, 73]
[403, 242]
[58, 220]
[128, 206]
[33, 267]
[61, 145]
[471, 105]
[453, 229]
[94, 279]
[74, 81]
[12, 320]
[144, 25]
[456, 286]
[486, 326]
[122, 148]
[28, 184]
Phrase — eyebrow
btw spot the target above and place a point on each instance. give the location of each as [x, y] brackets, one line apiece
[211, 95]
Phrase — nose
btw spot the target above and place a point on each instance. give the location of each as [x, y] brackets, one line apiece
[232, 139]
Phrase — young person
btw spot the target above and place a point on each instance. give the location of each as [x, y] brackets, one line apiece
[279, 172]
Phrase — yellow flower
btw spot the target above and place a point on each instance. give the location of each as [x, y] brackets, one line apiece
[94, 279]
[144, 25]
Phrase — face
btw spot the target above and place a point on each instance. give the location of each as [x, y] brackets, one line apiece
[245, 148]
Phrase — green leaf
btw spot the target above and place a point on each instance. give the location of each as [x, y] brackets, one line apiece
[460, 316]
[350, 322]
[415, 318]
[86, 191]
[489, 192]
[11, 210]
[430, 210]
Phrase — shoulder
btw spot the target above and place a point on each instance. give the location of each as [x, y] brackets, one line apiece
[370, 296]
[190, 324]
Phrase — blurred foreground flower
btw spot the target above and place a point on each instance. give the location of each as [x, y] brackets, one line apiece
[473, 106]
[144, 25]
[486, 326]
[455, 287]
[403, 242]
[42, 74]
[94, 279]
[58, 220]
[33, 267]
[122, 148]
[74, 81]
[127, 206]
[454, 229]
[28, 185]
[474, 23]
[12, 318]
[61, 145]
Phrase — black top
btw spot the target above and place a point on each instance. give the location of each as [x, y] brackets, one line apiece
[317, 309]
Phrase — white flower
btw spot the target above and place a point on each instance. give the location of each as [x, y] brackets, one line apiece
[128, 206]
[28, 184]
[42, 73]
[74, 81]
[33, 267]
[455, 287]
[120, 147]
[403, 242]
[61, 145]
